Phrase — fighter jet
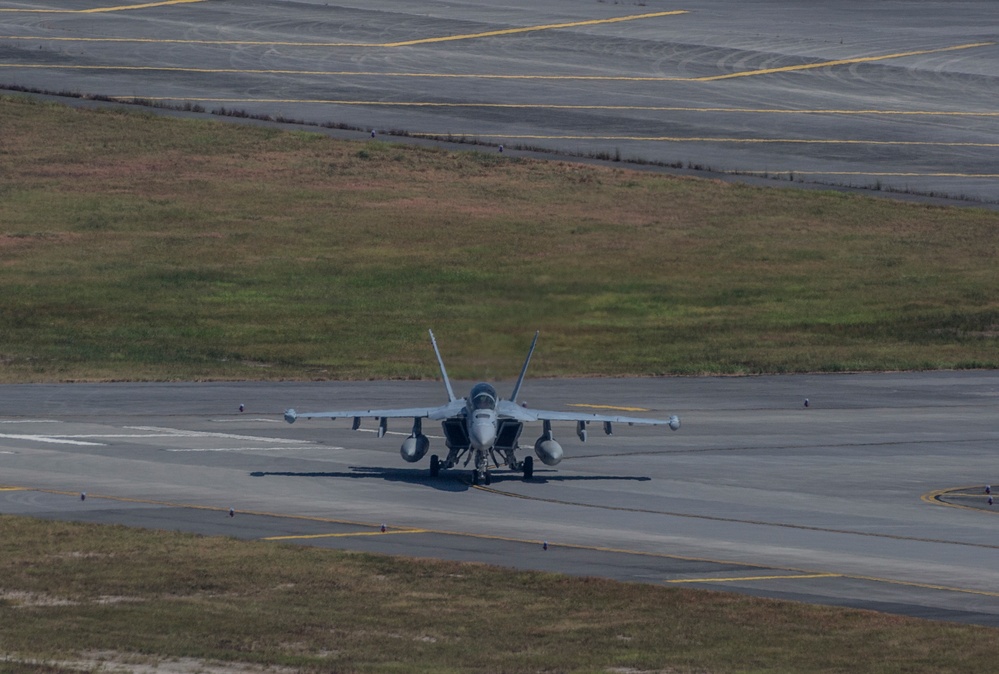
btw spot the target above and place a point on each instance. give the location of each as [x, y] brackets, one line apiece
[483, 427]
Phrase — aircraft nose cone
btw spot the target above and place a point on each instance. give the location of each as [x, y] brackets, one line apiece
[483, 435]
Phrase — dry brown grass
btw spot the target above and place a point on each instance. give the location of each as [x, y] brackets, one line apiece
[140, 247]
[69, 590]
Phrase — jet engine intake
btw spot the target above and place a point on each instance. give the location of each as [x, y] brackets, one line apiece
[549, 451]
[414, 448]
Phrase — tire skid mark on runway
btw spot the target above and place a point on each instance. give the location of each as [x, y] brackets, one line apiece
[735, 520]
[552, 544]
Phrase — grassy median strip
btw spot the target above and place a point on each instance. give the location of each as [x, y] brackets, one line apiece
[78, 593]
[149, 248]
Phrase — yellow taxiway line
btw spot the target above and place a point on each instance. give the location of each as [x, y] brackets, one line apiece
[401, 43]
[840, 62]
[96, 10]
[353, 534]
[743, 579]
[609, 407]
[528, 29]
[933, 498]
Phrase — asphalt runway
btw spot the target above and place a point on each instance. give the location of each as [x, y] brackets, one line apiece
[891, 95]
[872, 496]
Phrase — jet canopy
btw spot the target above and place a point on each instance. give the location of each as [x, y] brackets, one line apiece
[483, 397]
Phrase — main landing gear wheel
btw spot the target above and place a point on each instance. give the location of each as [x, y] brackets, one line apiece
[475, 478]
[435, 466]
[528, 467]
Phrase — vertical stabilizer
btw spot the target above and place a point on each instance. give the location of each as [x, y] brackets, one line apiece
[440, 361]
[523, 370]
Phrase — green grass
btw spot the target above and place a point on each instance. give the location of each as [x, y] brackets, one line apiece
[69, 591]
[141, 247]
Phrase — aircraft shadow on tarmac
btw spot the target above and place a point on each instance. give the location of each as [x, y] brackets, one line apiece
[458, 480]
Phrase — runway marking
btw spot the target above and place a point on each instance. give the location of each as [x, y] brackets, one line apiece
[609, 407]
[556, 106]
[840, 62]
[527, 29]
[346, 535]
[49, 439]
[13, 489]
[553, 545]
[284, 448]
[97, 10]
[389, 45]
[799, 576]
[935, 498]
[178, 433]
[30, 421]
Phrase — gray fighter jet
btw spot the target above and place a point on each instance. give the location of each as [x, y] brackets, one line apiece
[482, 426]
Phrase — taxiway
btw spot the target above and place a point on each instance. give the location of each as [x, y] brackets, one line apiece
[836, 503]
[886, 96]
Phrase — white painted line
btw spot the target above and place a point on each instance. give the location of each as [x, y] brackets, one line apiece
[29, 421]
[236, 449]
[177, 433]
[245, 419]
[51, 440]
[375, 430]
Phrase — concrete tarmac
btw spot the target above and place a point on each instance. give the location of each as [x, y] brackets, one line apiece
[888, 95]
[872, 496]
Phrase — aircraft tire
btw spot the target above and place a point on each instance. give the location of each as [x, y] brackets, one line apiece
[528, 467]
[435, 466]
[487, 479]
[475, 478]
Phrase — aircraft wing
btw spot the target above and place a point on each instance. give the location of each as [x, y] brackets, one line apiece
[509, 409]
[453, 408]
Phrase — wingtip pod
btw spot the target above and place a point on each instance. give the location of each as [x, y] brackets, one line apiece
[290, 415]
[674, 423]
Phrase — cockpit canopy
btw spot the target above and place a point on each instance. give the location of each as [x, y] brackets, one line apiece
[483, 397]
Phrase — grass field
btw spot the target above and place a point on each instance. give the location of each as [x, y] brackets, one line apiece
[86, 593]
[148, 248]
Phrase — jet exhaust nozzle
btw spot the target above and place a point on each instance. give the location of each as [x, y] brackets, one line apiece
[414, 448]
[549, 451]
